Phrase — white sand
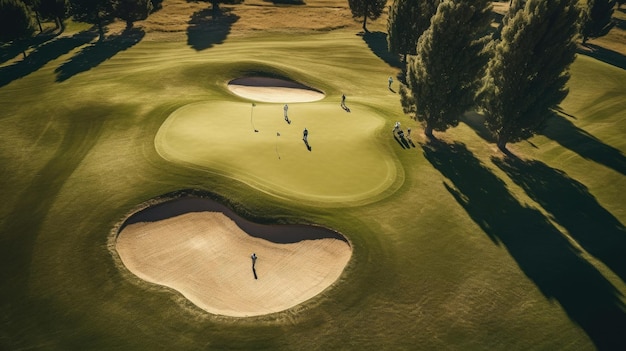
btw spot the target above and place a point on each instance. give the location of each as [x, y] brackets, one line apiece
[273, 90]
[206, 257]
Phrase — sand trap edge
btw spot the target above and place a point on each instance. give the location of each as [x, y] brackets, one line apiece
[276, 90]
[190, 200]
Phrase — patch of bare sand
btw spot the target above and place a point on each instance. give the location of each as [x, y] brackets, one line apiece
[273, 90]
[206, 257]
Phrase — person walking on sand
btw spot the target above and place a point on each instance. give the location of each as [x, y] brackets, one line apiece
[305, 135]
[390, 80]
[343, 100]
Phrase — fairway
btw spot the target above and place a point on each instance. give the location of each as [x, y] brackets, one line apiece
[344, 162]
[429, 245]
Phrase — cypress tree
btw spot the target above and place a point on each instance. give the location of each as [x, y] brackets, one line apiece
[408, 19]
[444, 76]
[596, 19]
[371, 9]
[526, 77]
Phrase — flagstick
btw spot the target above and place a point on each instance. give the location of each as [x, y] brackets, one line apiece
[277, 135]
[252, 123]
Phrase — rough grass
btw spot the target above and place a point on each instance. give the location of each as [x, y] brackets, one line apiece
[471, 251]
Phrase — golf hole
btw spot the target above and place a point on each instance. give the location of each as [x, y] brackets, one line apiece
[265, 89]
[203, 250]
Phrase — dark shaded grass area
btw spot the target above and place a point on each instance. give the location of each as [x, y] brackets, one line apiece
[43, 54]
[542, 252]
[605, 55]
[572, 206]
[564, 132]
[377, 42]
[95, 54]
[22, 226]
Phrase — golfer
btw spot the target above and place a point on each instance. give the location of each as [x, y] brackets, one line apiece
[305, 135]
[286, 115]
[343, 100]
[390, 80]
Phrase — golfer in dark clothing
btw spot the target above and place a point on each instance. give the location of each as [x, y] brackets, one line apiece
[305, 135]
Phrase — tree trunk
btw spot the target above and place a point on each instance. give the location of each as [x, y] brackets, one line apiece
[100, 29]
[61, 25]
[428, 131]
[502, 145]
[38, 21]
[365, 12]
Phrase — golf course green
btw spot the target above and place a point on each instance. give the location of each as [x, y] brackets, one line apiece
[453, 245]
[343, 162]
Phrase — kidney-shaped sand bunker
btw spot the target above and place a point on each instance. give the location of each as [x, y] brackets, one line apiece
[203, 250]
[267, 89]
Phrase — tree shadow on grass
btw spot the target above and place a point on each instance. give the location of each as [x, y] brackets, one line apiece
[572, 206]
[564, 132]
[9, 51]
[377, 42]
[42, 55]
[476, 121]
[207, 28]
[95, 54]
[541, 251]
[20, 232]
[605, 55]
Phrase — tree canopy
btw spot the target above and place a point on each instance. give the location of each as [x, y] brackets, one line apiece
[444, 76]
[15, 21]
[408, 19]
[597, 18]
[93, 11]
[132, 10]
[371, 9]
[54, 9]
[526, 77]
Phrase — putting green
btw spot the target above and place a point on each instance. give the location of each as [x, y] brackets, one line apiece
[346, 162]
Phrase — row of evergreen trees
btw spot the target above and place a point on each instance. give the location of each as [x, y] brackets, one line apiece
[454, 62]
[16, 16]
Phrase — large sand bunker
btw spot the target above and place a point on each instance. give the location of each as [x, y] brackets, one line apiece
[273, 90]
[203, 250]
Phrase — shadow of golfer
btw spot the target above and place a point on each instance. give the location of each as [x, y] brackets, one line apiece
[306, 143]
[345, 108]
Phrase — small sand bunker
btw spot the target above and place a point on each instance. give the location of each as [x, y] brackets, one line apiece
[203, 250]
[273, 90]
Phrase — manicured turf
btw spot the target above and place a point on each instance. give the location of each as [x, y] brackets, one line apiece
[342, 163]
[463, 251]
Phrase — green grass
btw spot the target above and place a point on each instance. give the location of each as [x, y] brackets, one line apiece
[342, 163]
[462, 251]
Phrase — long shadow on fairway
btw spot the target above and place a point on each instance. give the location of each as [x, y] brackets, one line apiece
[207, 28]
[540, 250]
[9, 51]
[93, 55]
[564, 132]
[572, 206]
[23, 225]
[42, 55]
[377, 42]
[605, 55]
